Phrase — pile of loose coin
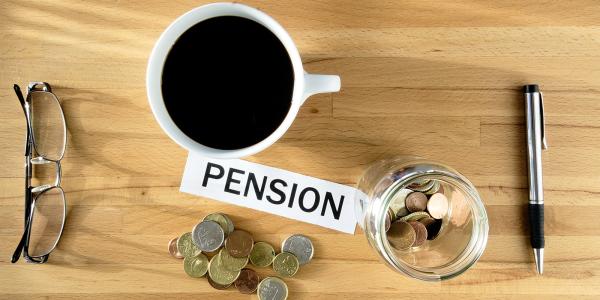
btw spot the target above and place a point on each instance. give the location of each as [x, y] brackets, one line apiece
[231, 250]
[415, 214]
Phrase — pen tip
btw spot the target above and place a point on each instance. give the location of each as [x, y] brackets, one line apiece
[538, 254]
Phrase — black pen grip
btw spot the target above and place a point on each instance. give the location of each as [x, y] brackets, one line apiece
[536, 223]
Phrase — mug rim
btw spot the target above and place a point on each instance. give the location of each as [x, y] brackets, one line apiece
[170, 36]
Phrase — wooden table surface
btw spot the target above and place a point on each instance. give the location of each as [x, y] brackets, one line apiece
[438, 79]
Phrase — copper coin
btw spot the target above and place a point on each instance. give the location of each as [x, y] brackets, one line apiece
[247, 282]
[437, 205]
[401, 235]
[216, 285]
[239, 243]
[433, 229]
[420, 233]
[416, 201]
[173, 248]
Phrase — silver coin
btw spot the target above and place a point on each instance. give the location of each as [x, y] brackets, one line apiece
[208, 236]
[223, 220]
[272, 288]
[299, 245]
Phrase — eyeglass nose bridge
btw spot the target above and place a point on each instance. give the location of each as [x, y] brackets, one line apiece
[39, 160]
[41, 188]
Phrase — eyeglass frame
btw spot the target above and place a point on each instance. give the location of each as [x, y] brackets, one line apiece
[33, 193]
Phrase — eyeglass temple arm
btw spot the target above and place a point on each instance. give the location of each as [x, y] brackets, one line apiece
[19, 250]
[23, 106]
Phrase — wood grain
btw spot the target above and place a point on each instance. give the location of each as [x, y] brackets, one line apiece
[438, 79]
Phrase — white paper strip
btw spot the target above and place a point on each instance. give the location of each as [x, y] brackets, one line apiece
[271, 190]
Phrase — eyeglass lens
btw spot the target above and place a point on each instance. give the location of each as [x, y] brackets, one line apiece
[47, 221]
[48, 125]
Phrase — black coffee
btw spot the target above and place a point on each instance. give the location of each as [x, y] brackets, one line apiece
[227, 82]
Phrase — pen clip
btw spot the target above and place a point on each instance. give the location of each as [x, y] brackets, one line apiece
[543, 120]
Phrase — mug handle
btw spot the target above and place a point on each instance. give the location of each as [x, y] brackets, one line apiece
[316, 84]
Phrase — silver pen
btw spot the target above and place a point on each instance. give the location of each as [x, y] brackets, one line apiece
[536, 141]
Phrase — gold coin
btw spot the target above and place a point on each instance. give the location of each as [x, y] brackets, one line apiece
[219, 274]
[186, 246]
[421, 185]
[398, 205]
[217, 286]
[286, 264]
[401, 235]
[232, 263]
[195, 266]
[262, 254]
[434, 189]
[416, 216]
[223, 220]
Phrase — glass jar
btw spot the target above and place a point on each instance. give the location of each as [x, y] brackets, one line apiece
[463, 233]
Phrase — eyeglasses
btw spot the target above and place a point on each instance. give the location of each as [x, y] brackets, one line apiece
[45, 205]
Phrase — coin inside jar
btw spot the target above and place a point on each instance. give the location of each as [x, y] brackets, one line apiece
[416, 216]
[247, 282]
[299, 245]
[286, 264]
[434, 188]
[262, 254]
[173, 248]
[195, 266]
[272, 288]
[437, 205]
[398, 204]
[239, 243]
[421, 185]
[420, 233]
[388, 222]
[186, 246]
[416, 201]
[401, 235]
[208, 236]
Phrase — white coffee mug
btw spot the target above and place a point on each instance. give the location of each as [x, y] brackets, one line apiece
[305, 84]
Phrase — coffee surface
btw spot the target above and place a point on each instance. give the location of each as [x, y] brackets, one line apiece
[227, 82]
